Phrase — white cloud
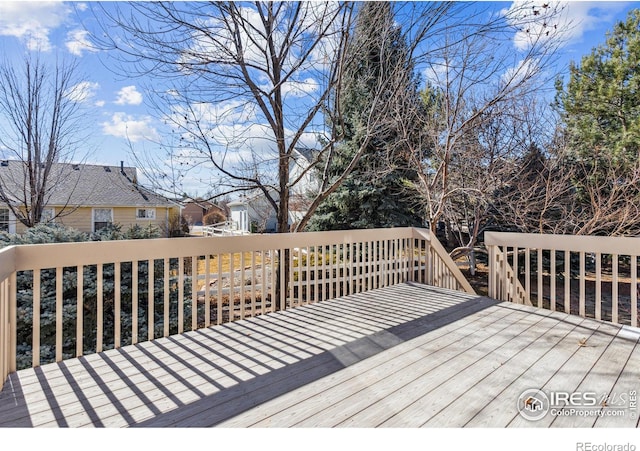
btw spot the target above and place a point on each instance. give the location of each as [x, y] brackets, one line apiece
[300, 88]
[99, 103]
[523, 70]
[32, 22]
[83, 91]
[436, 72]
[312, 18]
[129, 95]
[78, 42]
[126, 126]
[567, 22]
[210, 115]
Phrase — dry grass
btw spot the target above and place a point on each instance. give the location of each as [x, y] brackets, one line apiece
[226, 262]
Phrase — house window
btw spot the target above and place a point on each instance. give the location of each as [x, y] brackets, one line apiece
[7, 221]
[102, 217]
[146, 213]
[4, 220]
[48, 215]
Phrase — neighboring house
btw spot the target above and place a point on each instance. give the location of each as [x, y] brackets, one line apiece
[89, 197]
[253, 212]
[194, 211]
[303, 158]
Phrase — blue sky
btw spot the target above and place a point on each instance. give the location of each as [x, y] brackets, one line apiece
[120, 115]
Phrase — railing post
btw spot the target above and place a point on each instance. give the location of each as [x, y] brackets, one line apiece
[492, 272]
[4, 331]
[412, 259]
[13, 321]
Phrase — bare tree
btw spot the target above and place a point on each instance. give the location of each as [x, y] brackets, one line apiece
[474, 78]
[553, 192]
[40, 126]
[248, 83]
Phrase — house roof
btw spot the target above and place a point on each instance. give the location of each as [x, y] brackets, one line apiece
[201, 203]
[85, 185]
[307, 153]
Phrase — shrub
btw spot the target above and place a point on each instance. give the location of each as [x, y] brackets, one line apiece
[213, 217]
[52, 233]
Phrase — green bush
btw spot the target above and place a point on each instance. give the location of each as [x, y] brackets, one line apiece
[52, 233]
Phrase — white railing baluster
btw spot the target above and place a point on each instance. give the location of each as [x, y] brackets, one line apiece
[253, 283]
[181, 277]
[134, 302]
[527, 275]
[207, 287]
[307, 272]
[567, 282]
[4, 330]
[100, 308]
[552, 287]
[79, 310]
[232, 287]
[614, 288]
[219, 306]
[582, 301]
[514, 287]
[598, 306]
[272, 284]
[346, 275]
[242, 285]
[150, 299]
[116, 305]
[634, 291]
[492, 272]
[540, 279]
[59, 306]
[315, 275]
[194, 292]
[36, 319]
[265, 283]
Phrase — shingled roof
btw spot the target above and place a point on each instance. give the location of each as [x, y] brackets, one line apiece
[85, 185]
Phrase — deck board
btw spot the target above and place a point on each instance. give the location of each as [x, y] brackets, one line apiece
[351, 388]
[413, 380]
[401, 356]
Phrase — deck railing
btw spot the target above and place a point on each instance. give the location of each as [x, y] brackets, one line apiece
[226, 228]
[590, 276]
[61, 301]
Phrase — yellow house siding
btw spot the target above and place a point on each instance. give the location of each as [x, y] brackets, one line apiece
[79, 219]
[82, 218]
[20, 227]
[126, 217]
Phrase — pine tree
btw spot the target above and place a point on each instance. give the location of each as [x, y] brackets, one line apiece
[375, 194]
[600, 104]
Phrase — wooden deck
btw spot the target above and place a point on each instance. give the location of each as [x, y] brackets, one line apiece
[403, 356]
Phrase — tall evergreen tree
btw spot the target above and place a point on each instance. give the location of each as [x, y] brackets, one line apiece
[601, 116]
[600, 103]
[375, 194]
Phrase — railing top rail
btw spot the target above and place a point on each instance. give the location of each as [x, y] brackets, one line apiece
[576, 243]
[7, 261]
[40, 256]
[444, 256]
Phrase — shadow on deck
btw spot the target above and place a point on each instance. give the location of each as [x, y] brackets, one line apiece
[406, 355]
